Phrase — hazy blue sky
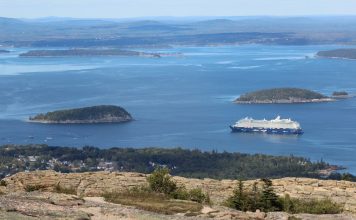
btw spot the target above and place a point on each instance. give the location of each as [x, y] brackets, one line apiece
[142, 8]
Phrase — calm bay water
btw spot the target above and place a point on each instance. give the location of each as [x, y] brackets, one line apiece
[184, 101]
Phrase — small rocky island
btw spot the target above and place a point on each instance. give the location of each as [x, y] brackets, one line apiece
[338, 53]
[282, 95]
[341, 95]
[4, 51]
[92, 52]
[87, 115]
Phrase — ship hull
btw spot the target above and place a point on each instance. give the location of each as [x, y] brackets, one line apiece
[267, 130]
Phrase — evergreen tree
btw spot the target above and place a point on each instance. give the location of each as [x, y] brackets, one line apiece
[237, 200]
[255, 197]
[269, 199]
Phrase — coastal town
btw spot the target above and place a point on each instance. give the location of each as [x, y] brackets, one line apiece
[22, 163]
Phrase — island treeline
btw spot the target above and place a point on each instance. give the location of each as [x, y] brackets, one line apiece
[347, 53]
[87, 52]
[281, 95]
[93, 114]
[182, 162]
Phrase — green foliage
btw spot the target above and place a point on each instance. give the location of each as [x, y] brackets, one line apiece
[347, 177]
[339, 53]
[287, 203]
[280, 94]
[81, 114]
[161, 195]
[342, 176]
[65, 190]
[269, 199]
[160, 181]
[265, 199]
[197, 195]
[340, 93]
[250, 200]
[183, 162]
[152, 201]
[3, 183]
[312, 206]
[181, 193]
[31, 188]
[238, 199]
[254, 197]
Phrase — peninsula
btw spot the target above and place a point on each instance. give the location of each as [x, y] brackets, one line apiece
[282, 95]
[87, 115]
[338, 53]
[183, 162]
[92, 52]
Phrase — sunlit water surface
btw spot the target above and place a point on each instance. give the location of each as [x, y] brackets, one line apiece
[183, 101]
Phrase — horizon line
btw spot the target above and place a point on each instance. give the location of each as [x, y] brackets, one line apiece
[183, 17]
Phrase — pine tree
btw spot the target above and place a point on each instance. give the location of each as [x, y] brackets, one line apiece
[269, 199]
[255, 197]
[237, 200]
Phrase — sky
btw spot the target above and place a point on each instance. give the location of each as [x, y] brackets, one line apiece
[175, 8]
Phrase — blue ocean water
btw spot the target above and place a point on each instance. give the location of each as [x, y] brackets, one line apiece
[183, 101]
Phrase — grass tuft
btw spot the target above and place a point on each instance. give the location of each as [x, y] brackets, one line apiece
[31, 188]
[311, 206]
[65, 190]
[152, 201]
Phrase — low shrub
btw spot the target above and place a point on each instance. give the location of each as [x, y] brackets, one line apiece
[31, 188]
[3, 183]
[197, 195]
[152, 201]
[162, 196]
[266, 199]
[245, 200]
[161, 182]
[311, 206]
[180, 193]
[65, 190]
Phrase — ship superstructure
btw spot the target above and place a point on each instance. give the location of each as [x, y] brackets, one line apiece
[274, 126]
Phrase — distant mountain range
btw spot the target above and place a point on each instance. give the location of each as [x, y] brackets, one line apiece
[170, 31]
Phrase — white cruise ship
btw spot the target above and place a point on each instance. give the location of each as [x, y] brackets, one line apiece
[274, 126]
